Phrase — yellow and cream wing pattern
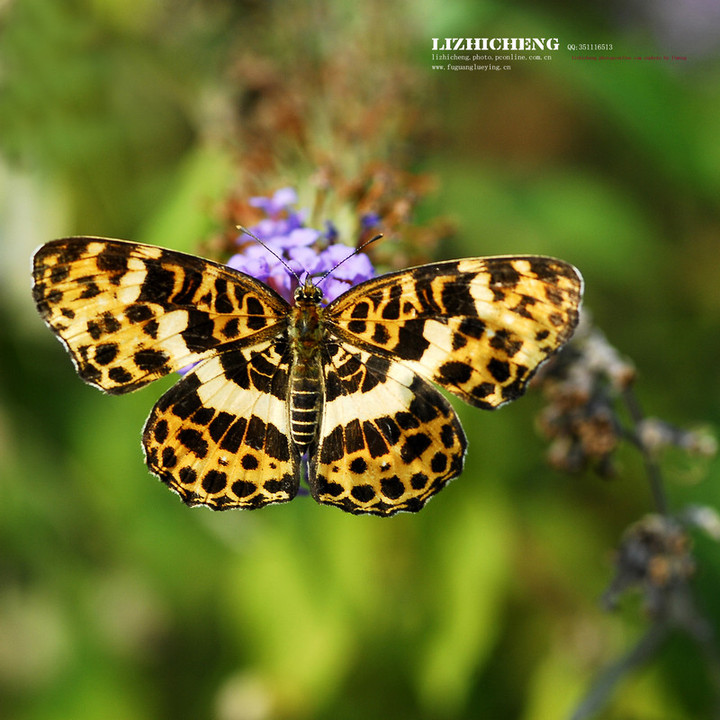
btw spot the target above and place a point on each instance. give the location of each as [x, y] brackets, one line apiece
[478, 327]
[130, 313]
[220, 436]
[340, 396]
[387, 439]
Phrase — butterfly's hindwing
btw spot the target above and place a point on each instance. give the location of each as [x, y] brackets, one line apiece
[478, 327]
[220, 436]
[387, 439]
[130, 313]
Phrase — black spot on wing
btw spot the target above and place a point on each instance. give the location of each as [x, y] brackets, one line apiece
[472, 327]
[358, 466]
[276, 444]
[187, 404]
[151, 360]
[499, 369]
[419, 480]
[256, 319]
[137, 312]
[361, 310]
[554, 296]
[214, 481]
[105, 353]
[376, 444]
[357, 326]
[113, 259]
[332, 446]
[411, 342]
[104, 324]
[414, 446]
[191, 281]
[119, 375]
[549, 270]
[380, 334]
[363, 493]
[457, 300]
[90, 289]
[199, 333]
[203, 415]
[59, 273]
[521, 308]
[392, 487]
[255, 435]
[160, 431]
[284, 484]
[222, 300]
[151, 329]
[169, 458]
[439, 462]
[454, 372]
[158, 284]
[231, 329]
[503, 274]
[391, 309]
[503, 340]
[427, 299]
[187, 386]
[193, 441]
[480, 392]
[376, 370]
[389, 429]
[244, 489]
[187, 476]
[326, 487]
[354, 440]
[234, 435]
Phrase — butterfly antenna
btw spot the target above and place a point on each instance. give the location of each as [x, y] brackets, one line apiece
[251, 234]
[352, 254]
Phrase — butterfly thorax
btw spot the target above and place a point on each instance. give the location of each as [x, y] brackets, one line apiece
[306, 335]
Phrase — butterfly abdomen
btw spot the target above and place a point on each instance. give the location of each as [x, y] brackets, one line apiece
[305, 393]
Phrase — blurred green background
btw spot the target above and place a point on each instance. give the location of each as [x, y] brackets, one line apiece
[116, 601]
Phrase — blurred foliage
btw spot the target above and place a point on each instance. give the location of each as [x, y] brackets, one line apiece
[119, 118]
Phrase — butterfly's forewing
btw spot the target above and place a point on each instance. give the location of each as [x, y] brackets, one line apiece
[220, 436]
[130, 313]
[478, 327]
[387, 440]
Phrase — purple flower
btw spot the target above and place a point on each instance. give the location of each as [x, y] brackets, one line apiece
[287, 242]
[331, 232]
[369, 220]
[347, 270]
[282, 200]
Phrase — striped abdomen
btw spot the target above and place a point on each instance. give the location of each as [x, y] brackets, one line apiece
[305, 393]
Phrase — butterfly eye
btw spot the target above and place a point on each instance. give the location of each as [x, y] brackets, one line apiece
[308, 294]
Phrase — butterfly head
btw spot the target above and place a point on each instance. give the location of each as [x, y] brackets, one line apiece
[308, 294]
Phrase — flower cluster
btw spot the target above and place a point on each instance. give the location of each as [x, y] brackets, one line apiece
[289, 251]
[581, 385]
[585, 384]
[654, 556]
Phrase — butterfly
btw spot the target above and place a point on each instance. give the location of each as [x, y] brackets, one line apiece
[344, 391]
